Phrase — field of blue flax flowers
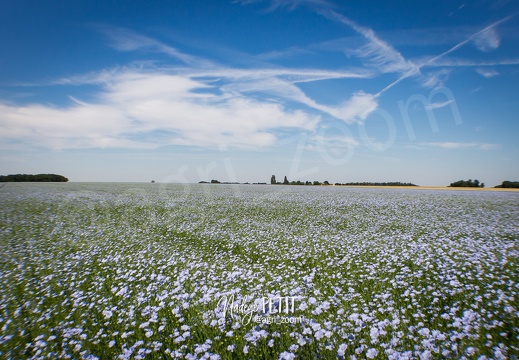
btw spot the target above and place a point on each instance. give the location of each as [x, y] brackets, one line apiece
[154, 271]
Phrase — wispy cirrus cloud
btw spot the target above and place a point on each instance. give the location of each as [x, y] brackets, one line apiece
[439, 105]
[436, 58]
[199, 102]
[462, 145]
[456, 62]
[290, 4]
[147, 108]
[196, 103]
[127, 40]
[377, 52]
[239, 81]
[434, 79]
[488, 73]
[136, 110]
[487, 40]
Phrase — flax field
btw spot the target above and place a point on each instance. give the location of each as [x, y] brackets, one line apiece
[148, 271]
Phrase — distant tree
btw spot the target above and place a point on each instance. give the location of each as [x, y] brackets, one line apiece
[214, 181]
[285, 181]
[509, 185]
[31, 178]
[466, 183]
[273, 179]
[482, 185]
[326, 182]
[317, 182]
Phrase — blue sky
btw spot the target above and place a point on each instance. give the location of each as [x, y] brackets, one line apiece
[183, 91]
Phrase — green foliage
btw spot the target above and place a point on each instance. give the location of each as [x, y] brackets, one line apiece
[467, 183]
[33, 178]
[508, 185]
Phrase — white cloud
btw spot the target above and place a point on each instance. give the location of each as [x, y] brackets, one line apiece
[377, 52]
[199, 103]
[356, 109]
[235, 82]
[488, 73]
[144, 110]
[487, 40]
[290, 4]
[453, 62]
[127, 40]
[439, 105]
[434, 79]
[463, 145]
[485, 33]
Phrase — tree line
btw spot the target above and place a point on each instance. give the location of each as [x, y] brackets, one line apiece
[33, 178]
[286, 182]
[508, 185]
[467, 183]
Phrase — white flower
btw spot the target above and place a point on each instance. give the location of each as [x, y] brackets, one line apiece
[285, 355]
[293, 347]
[371, 353]
[342, 349]
[470, 351]
[41, 343]
[107, 314]
[111, 343]
[424, 332]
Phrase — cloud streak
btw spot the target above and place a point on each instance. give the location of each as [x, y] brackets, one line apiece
[199, 102]
[439, 105]
[474, 37]
[462, 145]
[280, 82]
[137, 110]
[488, 73]
[127, 40]
[196, 103]
[377, 52]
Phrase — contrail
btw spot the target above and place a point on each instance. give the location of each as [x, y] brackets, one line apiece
[417, 68]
